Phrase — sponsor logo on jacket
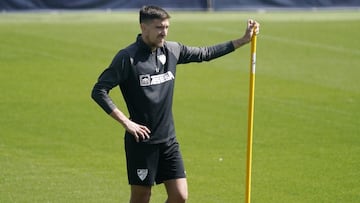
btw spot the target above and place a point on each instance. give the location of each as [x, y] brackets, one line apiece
[148, 80]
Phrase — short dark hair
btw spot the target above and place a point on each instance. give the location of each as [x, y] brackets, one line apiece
[148, 13]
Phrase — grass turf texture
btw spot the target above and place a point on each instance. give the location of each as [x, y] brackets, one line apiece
[57, 145]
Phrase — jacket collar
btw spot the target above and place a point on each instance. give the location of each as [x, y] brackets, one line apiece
[142, 44]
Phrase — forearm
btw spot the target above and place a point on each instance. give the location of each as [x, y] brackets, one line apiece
[140, 132]
[237, 43]
[199, 54]
[120, 117]
[105, 102]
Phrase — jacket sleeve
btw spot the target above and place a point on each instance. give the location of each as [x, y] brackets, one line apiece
[116, 73]
[198, 54]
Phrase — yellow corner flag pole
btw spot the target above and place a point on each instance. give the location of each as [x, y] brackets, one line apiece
[250, 117]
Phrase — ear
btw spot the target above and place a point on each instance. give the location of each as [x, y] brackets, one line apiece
[143, 27]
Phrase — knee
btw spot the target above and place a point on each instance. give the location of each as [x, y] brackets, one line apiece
[180, 197]
[183, 196]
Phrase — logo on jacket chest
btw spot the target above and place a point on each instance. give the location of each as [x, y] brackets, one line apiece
[162, 59]
[148, 80]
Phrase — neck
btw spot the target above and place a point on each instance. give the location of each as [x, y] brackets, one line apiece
[152, 48]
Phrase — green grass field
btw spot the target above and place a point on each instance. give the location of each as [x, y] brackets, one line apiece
[57, 145]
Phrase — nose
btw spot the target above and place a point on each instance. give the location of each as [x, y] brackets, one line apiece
[164, 32]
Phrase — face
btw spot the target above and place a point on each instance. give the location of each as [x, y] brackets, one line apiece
[154, 32]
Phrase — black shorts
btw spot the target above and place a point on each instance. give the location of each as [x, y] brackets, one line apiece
[148, 164]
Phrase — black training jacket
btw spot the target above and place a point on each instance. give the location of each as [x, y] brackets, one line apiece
[146, 80]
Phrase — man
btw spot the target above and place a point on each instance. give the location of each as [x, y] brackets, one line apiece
[145, 72]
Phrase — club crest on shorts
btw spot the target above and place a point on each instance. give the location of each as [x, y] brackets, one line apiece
[142, 173]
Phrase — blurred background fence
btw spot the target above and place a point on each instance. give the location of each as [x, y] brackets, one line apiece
[25, 5]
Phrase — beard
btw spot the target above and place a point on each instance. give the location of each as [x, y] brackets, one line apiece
[159, 42]
[155, 42]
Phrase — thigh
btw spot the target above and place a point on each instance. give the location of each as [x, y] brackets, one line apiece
[176, 189]
[140, 194]
[142, 162]
[171, 164]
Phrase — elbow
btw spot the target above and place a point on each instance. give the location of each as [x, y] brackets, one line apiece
[95, 94]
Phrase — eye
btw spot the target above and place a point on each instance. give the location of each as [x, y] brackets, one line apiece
[161, 27]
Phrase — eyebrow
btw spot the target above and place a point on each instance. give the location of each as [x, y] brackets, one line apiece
[162, 25]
